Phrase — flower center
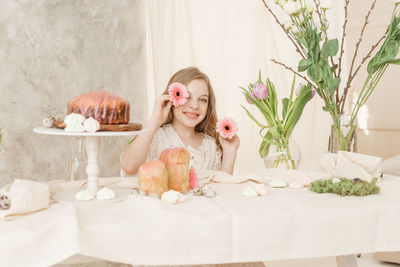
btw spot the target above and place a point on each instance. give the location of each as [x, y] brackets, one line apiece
[227, 127]
[178, 93]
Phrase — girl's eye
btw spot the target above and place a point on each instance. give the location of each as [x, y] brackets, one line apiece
[203, 100]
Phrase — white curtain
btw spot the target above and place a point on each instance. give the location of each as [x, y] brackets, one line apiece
[231, 40]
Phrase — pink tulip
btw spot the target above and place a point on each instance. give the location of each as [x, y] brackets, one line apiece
[260, 90]
[313, 91]
[250, 98]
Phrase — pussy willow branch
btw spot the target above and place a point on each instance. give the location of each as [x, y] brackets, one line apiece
[350, 77]
[295, 72]
[343, 98]
[317, 10]
[369, 54]
[283, 28]
[324, 97]
[343, 36]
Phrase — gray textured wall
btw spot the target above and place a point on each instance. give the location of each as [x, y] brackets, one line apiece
[51, 51]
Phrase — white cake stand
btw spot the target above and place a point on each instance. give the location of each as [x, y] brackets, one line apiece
[92, 150]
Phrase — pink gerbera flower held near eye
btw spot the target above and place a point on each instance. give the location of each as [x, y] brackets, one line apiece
[178, 94]
[227, 128]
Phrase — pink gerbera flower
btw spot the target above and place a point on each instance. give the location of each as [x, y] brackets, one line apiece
[227, 128]
[178, 94]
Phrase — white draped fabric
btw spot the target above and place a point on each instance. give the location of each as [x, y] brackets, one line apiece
[231, 40]
[285, 224]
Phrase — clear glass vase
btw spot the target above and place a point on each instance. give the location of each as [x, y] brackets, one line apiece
[343, 136]
[284, 155]
[78, 161]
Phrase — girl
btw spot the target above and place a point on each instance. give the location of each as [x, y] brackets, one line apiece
[192, 125]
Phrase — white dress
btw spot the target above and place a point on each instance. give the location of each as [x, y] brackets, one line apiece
[206, 157]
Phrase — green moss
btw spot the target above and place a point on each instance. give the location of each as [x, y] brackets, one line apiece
[346, 187]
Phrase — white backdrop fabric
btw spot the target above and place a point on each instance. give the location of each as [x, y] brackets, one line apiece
[231, 40]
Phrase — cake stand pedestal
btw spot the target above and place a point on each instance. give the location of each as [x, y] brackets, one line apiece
[92, 150]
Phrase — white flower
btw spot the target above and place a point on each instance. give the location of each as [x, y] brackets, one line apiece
[295, 31]
[281, 3]
[309, 6]
[288, 24]
[292, 8]
[325, 4]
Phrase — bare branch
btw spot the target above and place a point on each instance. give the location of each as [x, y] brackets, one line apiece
[351, 76]
[343, 98]
[295, 72]
[343, 36]
[360, 39]
[283, 28]
[318, 12]
[368, 55]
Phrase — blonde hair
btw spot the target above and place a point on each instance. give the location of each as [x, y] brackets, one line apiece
[208, 124]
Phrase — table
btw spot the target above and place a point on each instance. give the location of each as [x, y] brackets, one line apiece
[286, 224]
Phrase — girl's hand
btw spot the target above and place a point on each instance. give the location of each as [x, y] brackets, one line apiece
[161, 109]
[229, 145]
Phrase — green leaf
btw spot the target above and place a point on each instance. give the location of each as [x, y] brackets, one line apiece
[317, 52]
[243, 89]
[304, 64]
[285, 103]
[264, 148]
[334, 67]
[315, 73]
[326, 70]
[298, 105]
[273, 101]
[333, 84]
[251, 117]
[330, 48]
[386, 55]
[259, 76]
[274, 132]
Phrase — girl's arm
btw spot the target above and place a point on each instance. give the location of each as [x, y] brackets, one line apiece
[229, 153]
[136, 152]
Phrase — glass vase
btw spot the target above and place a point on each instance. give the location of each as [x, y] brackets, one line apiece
[78, 161]
[282, 155]
[343, 136]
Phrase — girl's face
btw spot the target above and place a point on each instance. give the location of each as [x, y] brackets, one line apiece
[195, 109]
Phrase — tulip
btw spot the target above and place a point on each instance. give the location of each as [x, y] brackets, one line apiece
[260, 90]
[250, 98]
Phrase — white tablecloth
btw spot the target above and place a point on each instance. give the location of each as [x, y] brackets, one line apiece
[286, 224]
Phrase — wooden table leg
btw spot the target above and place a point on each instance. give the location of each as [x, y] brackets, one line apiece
[346, 261]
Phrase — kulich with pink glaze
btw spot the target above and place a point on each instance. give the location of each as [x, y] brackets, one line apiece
[177, 162]
[103, 106]
[153, 177]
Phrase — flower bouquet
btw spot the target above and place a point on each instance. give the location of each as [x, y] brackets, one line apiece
[276, 130]
[306, 29]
